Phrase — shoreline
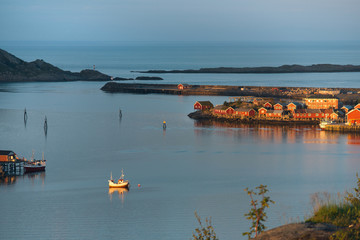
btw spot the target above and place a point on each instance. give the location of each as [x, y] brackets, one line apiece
[345, 95]
[203, 116]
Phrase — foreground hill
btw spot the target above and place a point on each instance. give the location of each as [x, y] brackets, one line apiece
[13, 69]
[281, 69]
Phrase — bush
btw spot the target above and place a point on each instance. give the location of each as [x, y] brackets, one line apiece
[206, 232]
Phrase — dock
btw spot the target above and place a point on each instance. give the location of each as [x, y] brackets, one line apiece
[12, 167]
[343, 128]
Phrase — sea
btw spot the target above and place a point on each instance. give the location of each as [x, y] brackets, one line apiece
[188, 167]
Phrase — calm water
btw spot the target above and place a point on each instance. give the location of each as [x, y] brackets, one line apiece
[189, 167]
[120, 58]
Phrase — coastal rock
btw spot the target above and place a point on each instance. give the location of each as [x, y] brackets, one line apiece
[148, 78]
[281, 69]
[13, 69]
[299, 231]
[122, 79]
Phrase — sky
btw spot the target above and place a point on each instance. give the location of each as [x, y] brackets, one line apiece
[180, 20]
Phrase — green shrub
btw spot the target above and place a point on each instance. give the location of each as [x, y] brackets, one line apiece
[206, 232]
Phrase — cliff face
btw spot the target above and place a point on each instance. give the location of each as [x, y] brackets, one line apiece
[13, 69]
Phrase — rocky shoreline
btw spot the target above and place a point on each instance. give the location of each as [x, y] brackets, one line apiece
[208, 116]
[13, 69]
[299, 231]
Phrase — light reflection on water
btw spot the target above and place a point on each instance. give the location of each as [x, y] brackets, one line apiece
[190, 166]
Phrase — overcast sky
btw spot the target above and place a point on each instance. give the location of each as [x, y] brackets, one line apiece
[180, 20]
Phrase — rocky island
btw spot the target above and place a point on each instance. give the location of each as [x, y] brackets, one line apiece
[315, 68]
[13, 69]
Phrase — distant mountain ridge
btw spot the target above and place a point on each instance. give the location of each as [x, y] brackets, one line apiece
[320, 68]
[13, 69]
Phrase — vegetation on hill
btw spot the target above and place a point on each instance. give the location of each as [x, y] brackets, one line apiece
[344, 214]
[13, 69]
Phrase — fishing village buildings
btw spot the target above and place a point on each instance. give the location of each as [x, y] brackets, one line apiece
[309, 109]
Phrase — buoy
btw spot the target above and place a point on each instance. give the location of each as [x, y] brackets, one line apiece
[139, 185]
[164, 125]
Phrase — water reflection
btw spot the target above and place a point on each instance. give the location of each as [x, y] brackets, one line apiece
[34, 178]
[353, 139]
[8, 180]
[120, 191]
[271, 133]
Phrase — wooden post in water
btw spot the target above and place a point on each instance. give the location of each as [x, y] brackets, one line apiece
[120, 113]
[25, 117]
[45, 126]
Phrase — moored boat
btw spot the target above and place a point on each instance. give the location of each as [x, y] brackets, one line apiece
[35, 166]
[324, 123]
[121, 183]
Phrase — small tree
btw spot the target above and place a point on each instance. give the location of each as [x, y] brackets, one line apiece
[206, 232]
[257, 212]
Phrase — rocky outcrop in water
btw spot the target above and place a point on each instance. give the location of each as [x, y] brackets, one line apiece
[13, 69]
[148, 78]
[281, 69]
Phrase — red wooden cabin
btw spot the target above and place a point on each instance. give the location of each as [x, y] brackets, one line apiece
[353, 117]
[267, 105]
[202, 105]
[248, 112]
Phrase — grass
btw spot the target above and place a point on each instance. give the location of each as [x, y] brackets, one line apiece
[343, 212]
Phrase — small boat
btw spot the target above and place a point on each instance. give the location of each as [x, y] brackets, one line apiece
[35, 165]
[121, 183]
[324, 123]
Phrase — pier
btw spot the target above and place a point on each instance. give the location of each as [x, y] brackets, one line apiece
[12, 168]
[343, 128]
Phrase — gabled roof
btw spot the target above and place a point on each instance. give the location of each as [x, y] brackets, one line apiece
[220, 107]
[348, 107]
[327, 111]
[282, 104]
[354, 110]
[205, 103]
[275, 111]
[6, 152]
[312, 110]
[243, 109]
[296, 104]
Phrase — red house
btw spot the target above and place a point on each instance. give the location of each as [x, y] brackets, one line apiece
[279, 106]
[322, 103]
[221, 109]
[7, 156]
[182, 86]
[274, 113]
[294, 105]
[262, 111]
[267, 105]
[248, 112]
[353, 117]
[308, 114]
[230, 111]
[202, 105]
